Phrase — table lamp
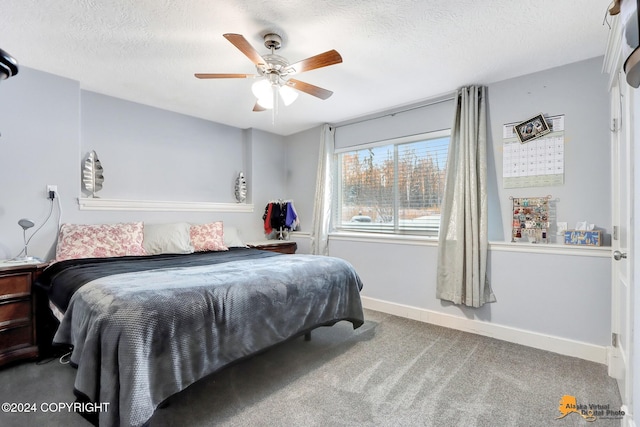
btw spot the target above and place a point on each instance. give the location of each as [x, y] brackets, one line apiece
[25, 224]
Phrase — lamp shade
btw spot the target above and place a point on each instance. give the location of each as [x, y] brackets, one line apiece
[288, 95]
[25, 224]
[263, 90]
[266, 102]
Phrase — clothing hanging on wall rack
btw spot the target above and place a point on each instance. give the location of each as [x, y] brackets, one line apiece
[280, 215]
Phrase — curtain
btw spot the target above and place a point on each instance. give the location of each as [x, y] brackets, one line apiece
[463, 242]
[321, 218]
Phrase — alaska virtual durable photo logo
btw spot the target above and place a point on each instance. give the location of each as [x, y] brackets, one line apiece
[590, 412]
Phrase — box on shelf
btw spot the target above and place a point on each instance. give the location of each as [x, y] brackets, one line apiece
[583, 237]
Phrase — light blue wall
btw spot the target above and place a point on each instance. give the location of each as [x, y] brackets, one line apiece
[49, 124]
[302, 165]
[435, 116]
[562, 295]
[269, 171]
[580, 92]
[40, 145]
[154, 154]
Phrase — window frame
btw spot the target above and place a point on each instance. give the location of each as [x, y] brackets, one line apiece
[394, 227]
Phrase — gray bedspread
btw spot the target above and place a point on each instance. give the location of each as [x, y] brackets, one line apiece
[141, 337]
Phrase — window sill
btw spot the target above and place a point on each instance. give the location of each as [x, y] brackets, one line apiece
[405, 239]
[498, 246]
[552, 248]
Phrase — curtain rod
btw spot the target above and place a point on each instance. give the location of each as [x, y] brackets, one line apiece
[434, 101]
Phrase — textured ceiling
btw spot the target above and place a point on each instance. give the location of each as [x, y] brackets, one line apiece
[395, 52]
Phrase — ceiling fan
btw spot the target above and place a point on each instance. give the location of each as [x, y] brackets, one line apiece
[275, 72]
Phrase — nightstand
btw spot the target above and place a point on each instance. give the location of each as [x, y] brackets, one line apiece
[17, 311]
[282, 246]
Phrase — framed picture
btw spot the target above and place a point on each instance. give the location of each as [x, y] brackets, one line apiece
[533, 128]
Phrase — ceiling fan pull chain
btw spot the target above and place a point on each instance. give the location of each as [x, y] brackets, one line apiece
[274, 88]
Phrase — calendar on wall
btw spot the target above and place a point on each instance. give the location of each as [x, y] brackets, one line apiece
[531, 219]
[535, 163]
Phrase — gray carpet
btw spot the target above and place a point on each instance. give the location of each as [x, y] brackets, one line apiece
[390, 372]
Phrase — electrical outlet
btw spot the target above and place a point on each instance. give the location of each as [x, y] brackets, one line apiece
[52, 191]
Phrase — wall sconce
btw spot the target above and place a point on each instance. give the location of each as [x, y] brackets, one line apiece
[241, 188]
[8, 65]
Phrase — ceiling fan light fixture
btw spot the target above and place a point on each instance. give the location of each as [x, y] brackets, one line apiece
[263, 90]
[274, 72]
[266, 102]
[288, 95]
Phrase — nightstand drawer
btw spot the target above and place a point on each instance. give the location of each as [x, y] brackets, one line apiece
[17, 311]
[21, 336]
[17, 307]
[15, 284]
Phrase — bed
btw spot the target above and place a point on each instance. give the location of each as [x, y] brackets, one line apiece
[145, 327]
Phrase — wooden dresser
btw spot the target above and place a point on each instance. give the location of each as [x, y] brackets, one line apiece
[17, 311]
[282, 246]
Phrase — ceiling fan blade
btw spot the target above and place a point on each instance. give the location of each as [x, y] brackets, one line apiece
[325, 59]
[223, 76]
[258, 107]
[309, 88]
[245, 47]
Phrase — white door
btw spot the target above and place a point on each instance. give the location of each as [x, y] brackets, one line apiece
[620, 363]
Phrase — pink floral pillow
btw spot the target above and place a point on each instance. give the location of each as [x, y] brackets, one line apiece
[208, 237]
[100, 241]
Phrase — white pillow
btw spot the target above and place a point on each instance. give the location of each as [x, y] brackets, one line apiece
[171, 238]
[232, 238]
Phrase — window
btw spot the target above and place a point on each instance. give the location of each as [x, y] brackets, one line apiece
[393, 186]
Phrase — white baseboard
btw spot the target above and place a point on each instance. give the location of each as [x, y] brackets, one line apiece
[564, 346]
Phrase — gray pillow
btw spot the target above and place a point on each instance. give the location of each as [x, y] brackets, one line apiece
[232, 238]
[170, 238]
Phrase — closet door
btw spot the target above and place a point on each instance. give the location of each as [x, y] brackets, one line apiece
[622, 293]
